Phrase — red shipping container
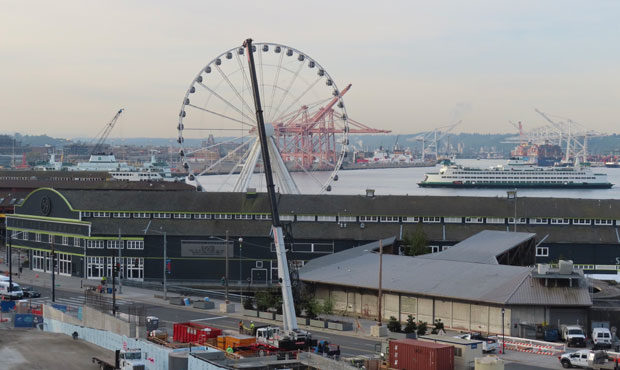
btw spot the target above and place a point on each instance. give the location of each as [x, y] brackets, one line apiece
[186, 332]
[411, 354]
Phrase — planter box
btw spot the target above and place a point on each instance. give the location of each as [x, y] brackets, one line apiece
[342, 326]
[267, 315]
[303, 321]
[204, 305]
[178, 301]
[251, 313]
[318, 323]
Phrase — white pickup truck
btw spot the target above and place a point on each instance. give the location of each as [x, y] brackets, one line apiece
[595, 360]
[573, 335]
[488, 344]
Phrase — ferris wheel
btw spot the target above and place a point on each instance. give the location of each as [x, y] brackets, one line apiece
[305, 119]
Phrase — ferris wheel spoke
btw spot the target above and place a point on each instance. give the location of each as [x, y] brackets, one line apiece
[233, 168]
[228, 103]
[275, 84]
[223, 158]
[219, 115]
[262, 77]
[213, 146]
[286, 110]
[233, 88]
[287, 90]
[245, 76]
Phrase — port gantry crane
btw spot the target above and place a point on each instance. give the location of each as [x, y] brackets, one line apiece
[291, 332]
[102, 136]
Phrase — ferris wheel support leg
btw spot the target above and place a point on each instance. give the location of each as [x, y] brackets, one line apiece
[248, 169]
[285, 180]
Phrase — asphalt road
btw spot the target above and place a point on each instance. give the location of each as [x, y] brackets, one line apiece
[169, 314]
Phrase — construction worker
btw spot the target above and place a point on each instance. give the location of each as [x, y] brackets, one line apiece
[240, 326]
[252, 327]
[229, 350]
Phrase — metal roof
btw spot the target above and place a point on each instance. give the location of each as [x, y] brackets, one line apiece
[442, 278]
[483, 247]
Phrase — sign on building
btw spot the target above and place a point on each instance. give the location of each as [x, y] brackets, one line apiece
[206, 248]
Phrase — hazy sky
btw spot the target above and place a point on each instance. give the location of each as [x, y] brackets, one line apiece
[67, 66]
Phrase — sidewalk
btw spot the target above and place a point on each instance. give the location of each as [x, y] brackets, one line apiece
[154, 297]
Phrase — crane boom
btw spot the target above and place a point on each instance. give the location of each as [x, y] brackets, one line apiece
[290, 320]
[102, 137]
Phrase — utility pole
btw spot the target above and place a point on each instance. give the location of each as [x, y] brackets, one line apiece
[380, 294]
[120, 261]
[114, 269]
[226, 282]
[53, 273]
[240, 272]
[165, 264]
[10, 249]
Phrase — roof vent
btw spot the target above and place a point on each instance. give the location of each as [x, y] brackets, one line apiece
[543, 268]
[566, 267]
[370, 192]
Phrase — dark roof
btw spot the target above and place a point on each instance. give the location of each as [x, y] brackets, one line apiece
[343, 204]
[108, 184]
[483, 247]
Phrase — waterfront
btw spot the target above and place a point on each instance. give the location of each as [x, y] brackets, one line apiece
[403, 181]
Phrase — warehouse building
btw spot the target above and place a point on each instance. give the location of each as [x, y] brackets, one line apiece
[474, 286]
[83, 228]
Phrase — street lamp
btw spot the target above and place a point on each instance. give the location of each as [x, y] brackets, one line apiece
[503, 337]
[165, 258]
[226, 253]
[512, 194]
[240, 273]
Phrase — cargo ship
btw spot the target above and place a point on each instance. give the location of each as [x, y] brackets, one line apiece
[516, 174]
[543, 155]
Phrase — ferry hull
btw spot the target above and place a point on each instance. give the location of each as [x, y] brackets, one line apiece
[516, 185]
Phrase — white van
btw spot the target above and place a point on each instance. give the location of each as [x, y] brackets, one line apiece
[15, 293]
[601, 337]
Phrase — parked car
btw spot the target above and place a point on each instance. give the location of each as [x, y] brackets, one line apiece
[488, 344]
[579, 358]
[573, 335]
[601, 337]
[13, 292]
[29, 292]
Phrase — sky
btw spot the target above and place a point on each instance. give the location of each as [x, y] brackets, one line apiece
[67, 66]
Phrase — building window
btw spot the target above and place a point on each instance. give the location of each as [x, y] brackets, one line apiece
[539, 221]
[496, 220]
[25, 235]
[434, 248]
[86, 214]
[37, 260]
[243, 217]
[474, 220]
[264, 217]
[453, 220]
[101, 214]
[582, 221]
[77, 242]
[121, 214]
[222, 216]
[63, 264]
[347, 218]
[182, 215]
[50, 238]
[560, 221]
[110, 261]
[542, 251]
[96, 244]
[37, 237]
[326, 218]
[95, 267]
[115, 244]
[411, 219]
[520, 220]
[287, 218]
[306, 218]
[135, 244]
[202, 216]
[141, 215]
[161, 215]
[389, 219]
[65, 240]
[135, 268]
[369, 219]
[431, 220]
[603, 222]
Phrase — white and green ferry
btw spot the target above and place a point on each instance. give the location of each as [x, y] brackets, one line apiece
[516, 174]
